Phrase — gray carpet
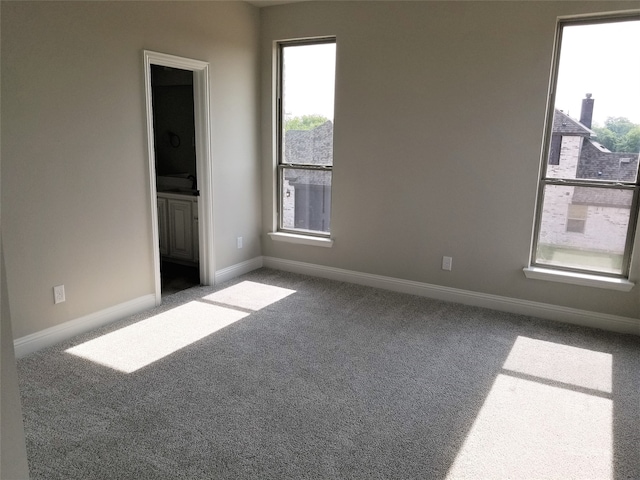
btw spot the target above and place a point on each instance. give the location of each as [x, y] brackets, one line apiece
[332, 380]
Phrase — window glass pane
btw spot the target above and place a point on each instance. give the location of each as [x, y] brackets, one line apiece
[306, 199]
[596, 121]
[308, 80]
[584, 227]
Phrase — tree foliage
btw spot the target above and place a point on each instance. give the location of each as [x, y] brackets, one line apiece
[619, 134]
[305, 122]
[631, 141]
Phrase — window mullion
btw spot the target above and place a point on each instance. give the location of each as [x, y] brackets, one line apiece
[589, 183]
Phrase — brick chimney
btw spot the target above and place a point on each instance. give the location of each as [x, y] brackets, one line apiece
[586, 113]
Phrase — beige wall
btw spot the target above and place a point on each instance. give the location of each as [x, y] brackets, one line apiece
[75, 187]
[438, 127]
[13, 452]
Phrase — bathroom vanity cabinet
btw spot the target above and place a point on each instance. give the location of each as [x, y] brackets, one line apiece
[178, 227]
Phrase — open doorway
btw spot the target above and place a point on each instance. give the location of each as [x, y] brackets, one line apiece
[180, 172]
[176, 177]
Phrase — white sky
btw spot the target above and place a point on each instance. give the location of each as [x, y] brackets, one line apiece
[603, 60]
[309, 80]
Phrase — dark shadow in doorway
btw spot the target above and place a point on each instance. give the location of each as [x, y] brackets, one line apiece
[177, 277]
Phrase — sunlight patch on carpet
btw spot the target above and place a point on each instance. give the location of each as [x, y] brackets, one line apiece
[250, 295]
[561, 363]
[549, 414]
[152, 339]
[537, 431]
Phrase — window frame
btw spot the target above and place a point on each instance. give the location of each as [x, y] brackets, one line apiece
[280, 165]
[544, 180]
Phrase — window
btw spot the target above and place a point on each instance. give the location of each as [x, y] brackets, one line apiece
[588, 193]
[554, 149]
[576, 218]
[306, 79]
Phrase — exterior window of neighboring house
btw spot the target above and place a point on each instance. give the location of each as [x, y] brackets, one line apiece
[589, 181]
[554, 150]
[576, 218]
[305, 94]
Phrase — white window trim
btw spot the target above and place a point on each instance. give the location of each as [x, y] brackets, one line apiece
[583, 279]
[301, 239]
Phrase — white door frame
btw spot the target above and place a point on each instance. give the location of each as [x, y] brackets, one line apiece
[203, 161]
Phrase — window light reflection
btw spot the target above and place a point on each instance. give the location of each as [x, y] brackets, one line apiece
[561, 363]
[549, 414]
[147, 341]
[527, 429]
[249, 295]
[152, 339]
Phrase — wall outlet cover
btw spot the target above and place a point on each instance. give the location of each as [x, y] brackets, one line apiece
[58, 294]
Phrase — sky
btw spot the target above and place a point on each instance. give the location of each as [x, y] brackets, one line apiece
[603, 60]
[309, 80]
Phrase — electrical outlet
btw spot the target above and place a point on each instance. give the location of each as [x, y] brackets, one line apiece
[239, 242]
[446, 263]
[58, 294]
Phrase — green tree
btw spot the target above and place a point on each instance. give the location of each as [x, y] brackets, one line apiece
[606, 137]
[619, 134]
[305, 122]
[631, 141]
[619, 125]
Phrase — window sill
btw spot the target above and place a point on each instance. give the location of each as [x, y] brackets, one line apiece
[588, 280]
[301, 239]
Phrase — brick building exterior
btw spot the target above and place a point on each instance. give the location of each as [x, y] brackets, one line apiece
[584, 219]
[306, 199]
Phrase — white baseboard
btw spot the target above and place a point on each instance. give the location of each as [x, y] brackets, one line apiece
[50, 336]
[523, 307]
[238, 269]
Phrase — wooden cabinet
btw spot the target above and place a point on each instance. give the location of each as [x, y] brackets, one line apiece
[178, 227]
[180, 230]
